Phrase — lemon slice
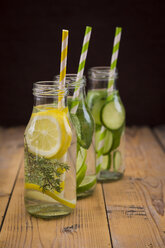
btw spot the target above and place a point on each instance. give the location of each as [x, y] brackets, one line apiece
[54, 195]
[49, 133]
[66, 137]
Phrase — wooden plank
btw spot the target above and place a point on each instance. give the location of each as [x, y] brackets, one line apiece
[86, 227]
[136, 203]
[11, 154]
[160, 133]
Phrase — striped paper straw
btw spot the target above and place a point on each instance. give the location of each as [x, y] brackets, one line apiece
[100, 149]
[64, 51]
[81, 67]
[114, 58]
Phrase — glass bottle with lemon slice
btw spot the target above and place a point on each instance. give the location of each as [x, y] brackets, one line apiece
[84, 125]
[50, 154]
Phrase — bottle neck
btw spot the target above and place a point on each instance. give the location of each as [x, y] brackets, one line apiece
[99, 77]
[76, 88]
[38, 100]
[80, 95]
[48, 92]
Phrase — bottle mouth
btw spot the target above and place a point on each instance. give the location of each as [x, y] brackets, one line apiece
[48, 89]
[102, 73]
[71, 81]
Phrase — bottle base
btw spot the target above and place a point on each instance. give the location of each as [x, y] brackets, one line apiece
[85, 194]
[47, 211]
[107, 176]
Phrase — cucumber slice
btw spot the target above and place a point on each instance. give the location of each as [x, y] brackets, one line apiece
[113, 114]
[98, 168]
[98, 163]
[95, 95]
[106, 162]
[108, 141]
[96, 109]
[117, 160]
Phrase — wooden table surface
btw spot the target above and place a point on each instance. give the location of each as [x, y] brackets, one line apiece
[125, 214]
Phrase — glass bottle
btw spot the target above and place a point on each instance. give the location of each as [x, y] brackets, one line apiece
[84, 125]
[50, 154]
[109, 115]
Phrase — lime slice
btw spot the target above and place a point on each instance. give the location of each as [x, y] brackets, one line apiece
[81, 167]
[81, 157]
[81, 174]
[48, 133]
[54, 195]
[86, 184]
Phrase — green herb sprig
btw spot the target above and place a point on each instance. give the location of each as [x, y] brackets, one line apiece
[44, 172]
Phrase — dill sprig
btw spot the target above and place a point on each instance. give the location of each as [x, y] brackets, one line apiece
[44, 172]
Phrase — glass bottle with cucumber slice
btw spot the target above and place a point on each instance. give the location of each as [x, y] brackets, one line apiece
[109, 116]
[50, 154]
[84, 125]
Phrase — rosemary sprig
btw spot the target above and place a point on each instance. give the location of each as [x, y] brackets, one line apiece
[44, 172]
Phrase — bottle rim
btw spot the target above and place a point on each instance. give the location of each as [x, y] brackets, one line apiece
[48, 89]
[102, 73]
[71, 81]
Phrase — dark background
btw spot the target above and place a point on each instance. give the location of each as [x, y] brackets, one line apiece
[30, 47]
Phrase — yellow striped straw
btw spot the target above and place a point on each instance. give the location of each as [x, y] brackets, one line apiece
[64, 52]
